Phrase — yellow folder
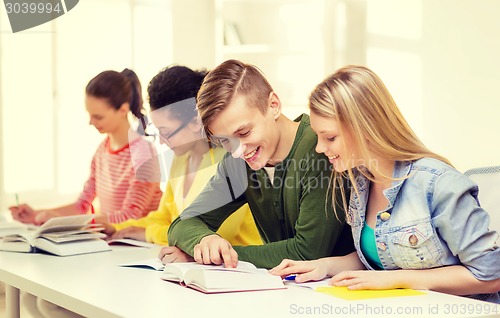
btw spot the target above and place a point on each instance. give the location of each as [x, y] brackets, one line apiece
[344, 293]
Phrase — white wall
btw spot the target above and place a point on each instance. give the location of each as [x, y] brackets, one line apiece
[461, 80]
[440, 60]
[193, 41]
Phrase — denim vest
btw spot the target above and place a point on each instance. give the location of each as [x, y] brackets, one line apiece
[433, 219]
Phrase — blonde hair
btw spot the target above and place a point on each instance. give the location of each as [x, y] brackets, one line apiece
[230, 78]
[358, 99]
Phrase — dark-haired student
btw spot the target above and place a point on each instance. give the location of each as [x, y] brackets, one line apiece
[172, 95]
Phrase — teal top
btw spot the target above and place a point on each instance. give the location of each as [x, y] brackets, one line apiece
[369, 247]
[292, 214]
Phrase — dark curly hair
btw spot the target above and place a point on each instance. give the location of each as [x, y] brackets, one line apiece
[173, 84]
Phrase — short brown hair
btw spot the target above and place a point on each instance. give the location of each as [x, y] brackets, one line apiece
[230, 78]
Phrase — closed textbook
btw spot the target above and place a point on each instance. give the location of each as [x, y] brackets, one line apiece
[62, 236]
[218, 279]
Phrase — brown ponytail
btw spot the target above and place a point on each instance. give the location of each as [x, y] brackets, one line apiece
[118, 88]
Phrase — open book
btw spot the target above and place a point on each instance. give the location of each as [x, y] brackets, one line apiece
[63, 236]
[218, 279]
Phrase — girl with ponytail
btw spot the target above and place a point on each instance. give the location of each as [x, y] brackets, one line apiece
[124, 170]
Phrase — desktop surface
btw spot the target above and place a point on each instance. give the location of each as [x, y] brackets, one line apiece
[93, 285]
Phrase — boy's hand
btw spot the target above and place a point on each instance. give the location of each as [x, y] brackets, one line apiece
[213, 249]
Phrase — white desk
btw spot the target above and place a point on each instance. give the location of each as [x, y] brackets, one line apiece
[94, 286]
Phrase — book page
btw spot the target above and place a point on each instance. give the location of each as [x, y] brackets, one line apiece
[26, 236]
[96, 230]
[218, 280]
[177, 271]
[12, 227]
[73, 237]
[131, 242]
[65, 223]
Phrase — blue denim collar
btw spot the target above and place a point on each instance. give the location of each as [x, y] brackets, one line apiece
[401, 170]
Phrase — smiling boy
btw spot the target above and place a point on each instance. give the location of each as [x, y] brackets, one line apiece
[274, 168]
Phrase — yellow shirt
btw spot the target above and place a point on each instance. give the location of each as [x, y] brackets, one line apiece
[238, 229]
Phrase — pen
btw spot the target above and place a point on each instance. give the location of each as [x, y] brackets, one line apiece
[290, 277]
[17, 200]
[93, 213]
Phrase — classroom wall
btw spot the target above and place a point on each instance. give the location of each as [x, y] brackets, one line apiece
[440, 61]
[461, 78]
[193, 41]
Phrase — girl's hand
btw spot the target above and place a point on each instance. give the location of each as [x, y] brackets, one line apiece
[43, 216]
[304, 270]
[368, 279]
[100, 219]
[23, 213]
[109, 230]
[132, 232]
